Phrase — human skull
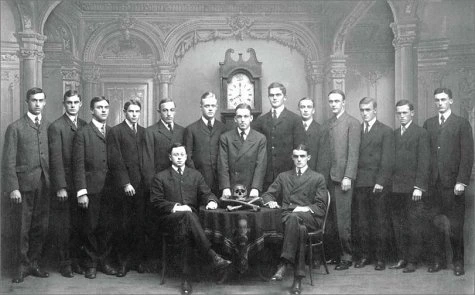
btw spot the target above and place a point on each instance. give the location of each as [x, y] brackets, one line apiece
[239, 192]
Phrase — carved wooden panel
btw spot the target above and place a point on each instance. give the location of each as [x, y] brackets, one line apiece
[119, 93]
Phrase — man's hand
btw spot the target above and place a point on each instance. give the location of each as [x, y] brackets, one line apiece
[183, 208]
[62, 195]
[301, 209]
[129, 190]
[345, 184]
[377, 188]
[272, 205]
[15, 197]
[459, 189]
[416, 194]
[83, 201]
[226, 193]
[212, 205]
[254, 193]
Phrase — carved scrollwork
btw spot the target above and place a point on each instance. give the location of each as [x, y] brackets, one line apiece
[240, 25]
[8, 57]
[404, 35]
[31, 53]
[70, 74]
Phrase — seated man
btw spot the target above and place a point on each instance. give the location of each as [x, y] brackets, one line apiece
[177, 193]
[304, 199]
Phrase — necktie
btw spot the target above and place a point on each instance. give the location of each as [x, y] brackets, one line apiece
[299, 173]
[103, 130]
[37, 122]
[210, 127]
[75, 122]
[274, 114]
[305, 126]
[170, 127]
[403, 129]
[179, 171]
[242, 135]
[442, 120]
[135, 128]
[366, 127]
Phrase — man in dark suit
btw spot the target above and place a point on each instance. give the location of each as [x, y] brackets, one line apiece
[124, 152]
[372, 187]
[91, 180]
[202, 141]
[26, 181]
[158, 139]
[304, 200]
[338, 161]
[64, 206]
[177, 193]
[283, 131]
[409, 187]
[242, 155]
[451, 146]
[312, 129]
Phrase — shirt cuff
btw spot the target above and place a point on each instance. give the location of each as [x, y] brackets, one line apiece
[174, 208]
[416, 187]
[82, 192]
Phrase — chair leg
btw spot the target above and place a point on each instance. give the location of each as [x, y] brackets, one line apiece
[324, 259]
[164, 260]
[310, 262]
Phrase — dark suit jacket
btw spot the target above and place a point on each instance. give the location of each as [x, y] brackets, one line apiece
[202, 149]
[339, 148]
[412, 159]
[60, 141]
[451, 150]
[25, 155]
[291, 191]
[376, 159]
[158, 140]
[125, 155]
[281, 139]
[90, 168]
[168, 189]
[242, 162]
[312, 141]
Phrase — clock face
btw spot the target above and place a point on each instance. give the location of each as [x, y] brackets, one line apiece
[240, 90]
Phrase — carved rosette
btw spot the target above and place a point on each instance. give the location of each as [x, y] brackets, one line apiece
[404, 35]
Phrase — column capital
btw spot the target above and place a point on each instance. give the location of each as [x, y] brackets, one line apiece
[91, 73]
[164, 73]
[404, 34]
[314, 71]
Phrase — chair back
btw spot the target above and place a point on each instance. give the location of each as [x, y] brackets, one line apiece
[326, 212]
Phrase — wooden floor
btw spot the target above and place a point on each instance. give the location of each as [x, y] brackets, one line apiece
[352, 281]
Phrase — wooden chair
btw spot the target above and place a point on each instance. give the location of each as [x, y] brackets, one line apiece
[315, 239]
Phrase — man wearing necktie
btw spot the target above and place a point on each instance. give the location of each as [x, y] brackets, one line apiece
[372, 188]
[125, 158]
[312, 129]
[409, 188]
[451, 150]
[65, 221]
[92, 184]
[304, 200]
[25, 167]
[242, 155]
[202, 141]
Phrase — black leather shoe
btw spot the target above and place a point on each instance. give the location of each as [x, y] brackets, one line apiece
[186, 288]
[108, 270]
[141, 268]
[362, 262]
[122, 271]
[20, 277]
[458, 269]
[380, 265]
[333, 261]
[91, 273]
[400, 264]
[220, 263]
[435, 267]
[410, 267]
[343, 265]
[296, 288]
[77, 268]
[38, 272]
[280, 273]
[66, 271]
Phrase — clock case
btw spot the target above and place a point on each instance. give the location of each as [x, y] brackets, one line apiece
[230, 67]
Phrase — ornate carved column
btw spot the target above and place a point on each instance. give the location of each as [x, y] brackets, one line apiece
[405, 82]
[164, 75]
[71, 78]
[91, 79]
[315, 88]
[337, 71]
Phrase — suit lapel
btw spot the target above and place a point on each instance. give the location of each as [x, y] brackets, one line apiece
[164, 130]
[204, 127]
[70, 123]
[283, 117]
[98, 132]
[368, 138]
[247, 144]
[30, 122]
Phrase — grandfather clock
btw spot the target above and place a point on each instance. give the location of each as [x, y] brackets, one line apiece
[240, 83]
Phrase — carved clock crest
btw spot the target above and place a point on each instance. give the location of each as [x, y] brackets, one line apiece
[240, 83]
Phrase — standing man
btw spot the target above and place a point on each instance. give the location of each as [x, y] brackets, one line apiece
[91, 178]
[242, 155]
[283, 131]
[372, 187]
[312, 129]
[177, 193]
[410, 187]
[158, 139]
[338, 161]
[304, 200]
[202, 141]
[65, 215]
[124, 151]
[26, 180]
[451, 146]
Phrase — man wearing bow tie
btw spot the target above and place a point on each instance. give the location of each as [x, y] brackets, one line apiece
[64, 207]
[451, 150]
[26, 180]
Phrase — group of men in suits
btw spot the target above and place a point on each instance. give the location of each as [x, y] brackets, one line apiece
[102, 179]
